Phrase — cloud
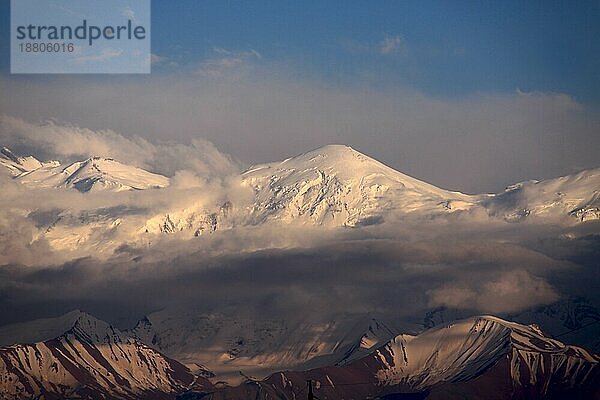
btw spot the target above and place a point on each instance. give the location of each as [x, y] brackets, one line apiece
[157, 60]
[392, 44]
[509, 292]
[258, 111]
[51, 140]
[129, 13]
[227, 61]
[39, 225]
[105, 54]
[302, 273]
[397, 271]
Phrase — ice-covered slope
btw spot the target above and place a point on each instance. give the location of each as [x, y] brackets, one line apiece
[476, 358]
[94, 174]
[19, 165]
[463, 350]
[336, 185]
[196, 219]
[91, 360]
[576, 196]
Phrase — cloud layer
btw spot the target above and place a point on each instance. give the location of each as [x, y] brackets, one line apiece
[399, 270]
[70, 142]
[259, 110]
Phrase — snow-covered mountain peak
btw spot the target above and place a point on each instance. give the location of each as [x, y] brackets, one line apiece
[337, 185]
[462, 359]
[18, 165]
[93, 330]
[106, 173]
[92, 360]
[576, 195]
[93, 174]
[462, 350]
[340, 161]
[330, 156]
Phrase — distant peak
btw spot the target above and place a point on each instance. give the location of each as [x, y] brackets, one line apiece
[337, 147]
[84, 318]
[93, 330]
[87, 323]
[334, 149]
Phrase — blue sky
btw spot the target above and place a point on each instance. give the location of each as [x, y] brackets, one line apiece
[466, 95]
[446, 48]
[443, 48]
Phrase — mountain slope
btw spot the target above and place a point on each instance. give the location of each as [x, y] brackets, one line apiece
[576, 195]
[19, 165]
[336, 185]
[461, 351]
[575, 315]
[94, 174]
[91, 360]
[476, 358]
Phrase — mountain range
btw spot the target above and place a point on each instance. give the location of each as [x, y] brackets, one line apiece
[91, 360]
[222, 355]
[462, 359]
[333, 186]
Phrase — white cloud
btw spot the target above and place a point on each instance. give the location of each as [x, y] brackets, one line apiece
[104, 55]
[227, 61]
[156, 59]
[392, 44]
[56, 141]
[129, 13]
[510, 292]
[258, 111]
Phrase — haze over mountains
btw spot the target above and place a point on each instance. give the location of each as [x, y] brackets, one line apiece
[329, 261]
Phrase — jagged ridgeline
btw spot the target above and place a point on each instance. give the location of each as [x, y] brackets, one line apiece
[464, 359]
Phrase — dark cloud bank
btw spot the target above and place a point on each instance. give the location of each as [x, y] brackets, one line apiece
[400, 279]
